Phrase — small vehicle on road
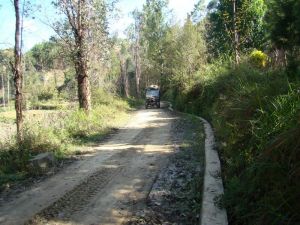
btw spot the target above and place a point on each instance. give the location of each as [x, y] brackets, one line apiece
[152, 96]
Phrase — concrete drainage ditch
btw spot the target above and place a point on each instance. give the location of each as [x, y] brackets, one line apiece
[211, 214]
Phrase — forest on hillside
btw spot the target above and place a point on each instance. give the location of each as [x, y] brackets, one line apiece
[234, 62]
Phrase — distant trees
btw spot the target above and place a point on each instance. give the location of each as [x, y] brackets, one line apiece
[184, 54]
[283, 23]
[168, 54]
[138, 22]
[124, 63]
[6, 57]
[283, 20]
[153, 32]
[234, 27]
[46, 55]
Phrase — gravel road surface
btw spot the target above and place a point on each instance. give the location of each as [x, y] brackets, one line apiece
[104, 187]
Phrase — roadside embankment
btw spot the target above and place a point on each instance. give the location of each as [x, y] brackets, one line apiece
[255, 116]
[211, 212]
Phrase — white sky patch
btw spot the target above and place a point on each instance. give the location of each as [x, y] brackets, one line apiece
[30, 26]
[180, 9]
[119, 26]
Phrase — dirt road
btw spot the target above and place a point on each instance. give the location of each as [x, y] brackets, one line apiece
[105, 187]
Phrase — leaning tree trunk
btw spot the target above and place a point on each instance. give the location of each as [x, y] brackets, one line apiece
[18, 75]
[236, 35]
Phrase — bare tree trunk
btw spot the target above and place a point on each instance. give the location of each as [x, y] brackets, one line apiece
[8, 88]
[3, 89]
[127, 88]
[285, 58]
[137, 34]
[236, 35]
[18, 74]
[55, 79]
[23, 69]
[84, 94]
[124, 78]
[137, 57]
[137, 70]
[147, 80]
[77, 14]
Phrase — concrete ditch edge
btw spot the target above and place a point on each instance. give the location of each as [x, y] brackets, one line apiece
[211, 214]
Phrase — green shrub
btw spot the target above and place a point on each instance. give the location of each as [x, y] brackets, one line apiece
[14, 157]
[99, 121]
[255, 114]
[135, 102]
[100, 97]
[258, 58]
[10, 158]
[46, 93]
[50, 105]
[38, 139]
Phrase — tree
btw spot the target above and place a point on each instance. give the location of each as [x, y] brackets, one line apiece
[153, 31]
[184, 53]
[137, 48]
[192, 48]
[8, 85]
[236, 33]
[77, 16]
[235, 27]
[283, 23]
[6, 58]
[124, 63]
[198, 12]
[85, 32]
[45, 55]
[18, 76]
[99, 43]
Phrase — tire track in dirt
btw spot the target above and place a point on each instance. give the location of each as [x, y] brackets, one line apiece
[78, 198]
[135, 168]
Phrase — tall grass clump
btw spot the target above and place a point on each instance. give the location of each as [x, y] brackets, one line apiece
[256, 115]
[263, 176]
[91, 127]
[108, 112]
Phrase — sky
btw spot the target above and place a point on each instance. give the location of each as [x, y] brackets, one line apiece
[36, 29]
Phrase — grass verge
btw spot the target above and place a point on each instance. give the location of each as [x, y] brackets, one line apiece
[62, 132]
